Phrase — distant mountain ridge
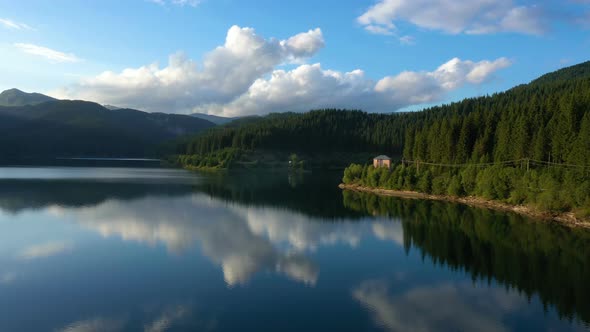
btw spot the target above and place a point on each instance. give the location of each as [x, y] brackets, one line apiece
[219, 120]
[75, 128]
[16, 97]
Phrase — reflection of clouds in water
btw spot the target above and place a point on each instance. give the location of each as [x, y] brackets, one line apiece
[162, 322]
[44, 250]
[298, 231]
[445, 307]
[242, 240]
[167, 319]
[298, 267]
[7, 278]
[95, 325]
[389, 231]
[179, 223]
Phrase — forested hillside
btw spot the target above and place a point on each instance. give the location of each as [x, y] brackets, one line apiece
[529, 145]
[321, 137]
[546, 120]
[62, 128]
[315, 131]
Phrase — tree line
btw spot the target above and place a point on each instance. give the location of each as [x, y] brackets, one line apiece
[553, 189]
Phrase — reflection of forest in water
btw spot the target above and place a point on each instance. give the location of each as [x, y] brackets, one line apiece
[532, 257]
[312, 194]
[315, 195]
[17, 195]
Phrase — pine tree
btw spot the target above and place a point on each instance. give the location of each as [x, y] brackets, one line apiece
[580, 154]
[540, 147]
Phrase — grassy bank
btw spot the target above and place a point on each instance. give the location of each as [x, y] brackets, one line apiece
[567, 218]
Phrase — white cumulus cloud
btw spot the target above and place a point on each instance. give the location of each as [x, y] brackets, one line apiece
[241, 77]
[226, 72]
[310, 86]
[455, 17]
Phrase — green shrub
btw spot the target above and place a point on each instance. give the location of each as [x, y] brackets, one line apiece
[353, 174]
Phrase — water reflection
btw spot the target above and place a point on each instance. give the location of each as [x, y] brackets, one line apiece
[44, 250]
[242, 240]
[535, 258]
[221, 252]
[165, 320]
[7, 277]
[74, 195]
[439, 307]
[95, 324]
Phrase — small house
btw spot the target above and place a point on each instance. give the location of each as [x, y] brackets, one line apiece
[382, 161]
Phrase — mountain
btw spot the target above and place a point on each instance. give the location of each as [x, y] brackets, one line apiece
[60, 128]
[219, 120]
[548, 119]
[16, 97]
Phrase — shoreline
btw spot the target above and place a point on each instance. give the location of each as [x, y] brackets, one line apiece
[567, 219]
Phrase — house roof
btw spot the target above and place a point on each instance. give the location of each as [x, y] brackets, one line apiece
[382, 157]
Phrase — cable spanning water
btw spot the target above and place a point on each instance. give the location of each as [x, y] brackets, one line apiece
[518, 162]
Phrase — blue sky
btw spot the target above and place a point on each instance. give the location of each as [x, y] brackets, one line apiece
[378, 55]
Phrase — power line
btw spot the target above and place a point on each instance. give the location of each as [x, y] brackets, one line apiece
[462, 165]
[557, 164]
[506, 162]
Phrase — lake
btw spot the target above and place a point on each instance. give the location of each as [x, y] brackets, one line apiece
[148, 249]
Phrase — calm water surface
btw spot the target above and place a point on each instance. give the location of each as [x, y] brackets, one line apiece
[141, 249]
